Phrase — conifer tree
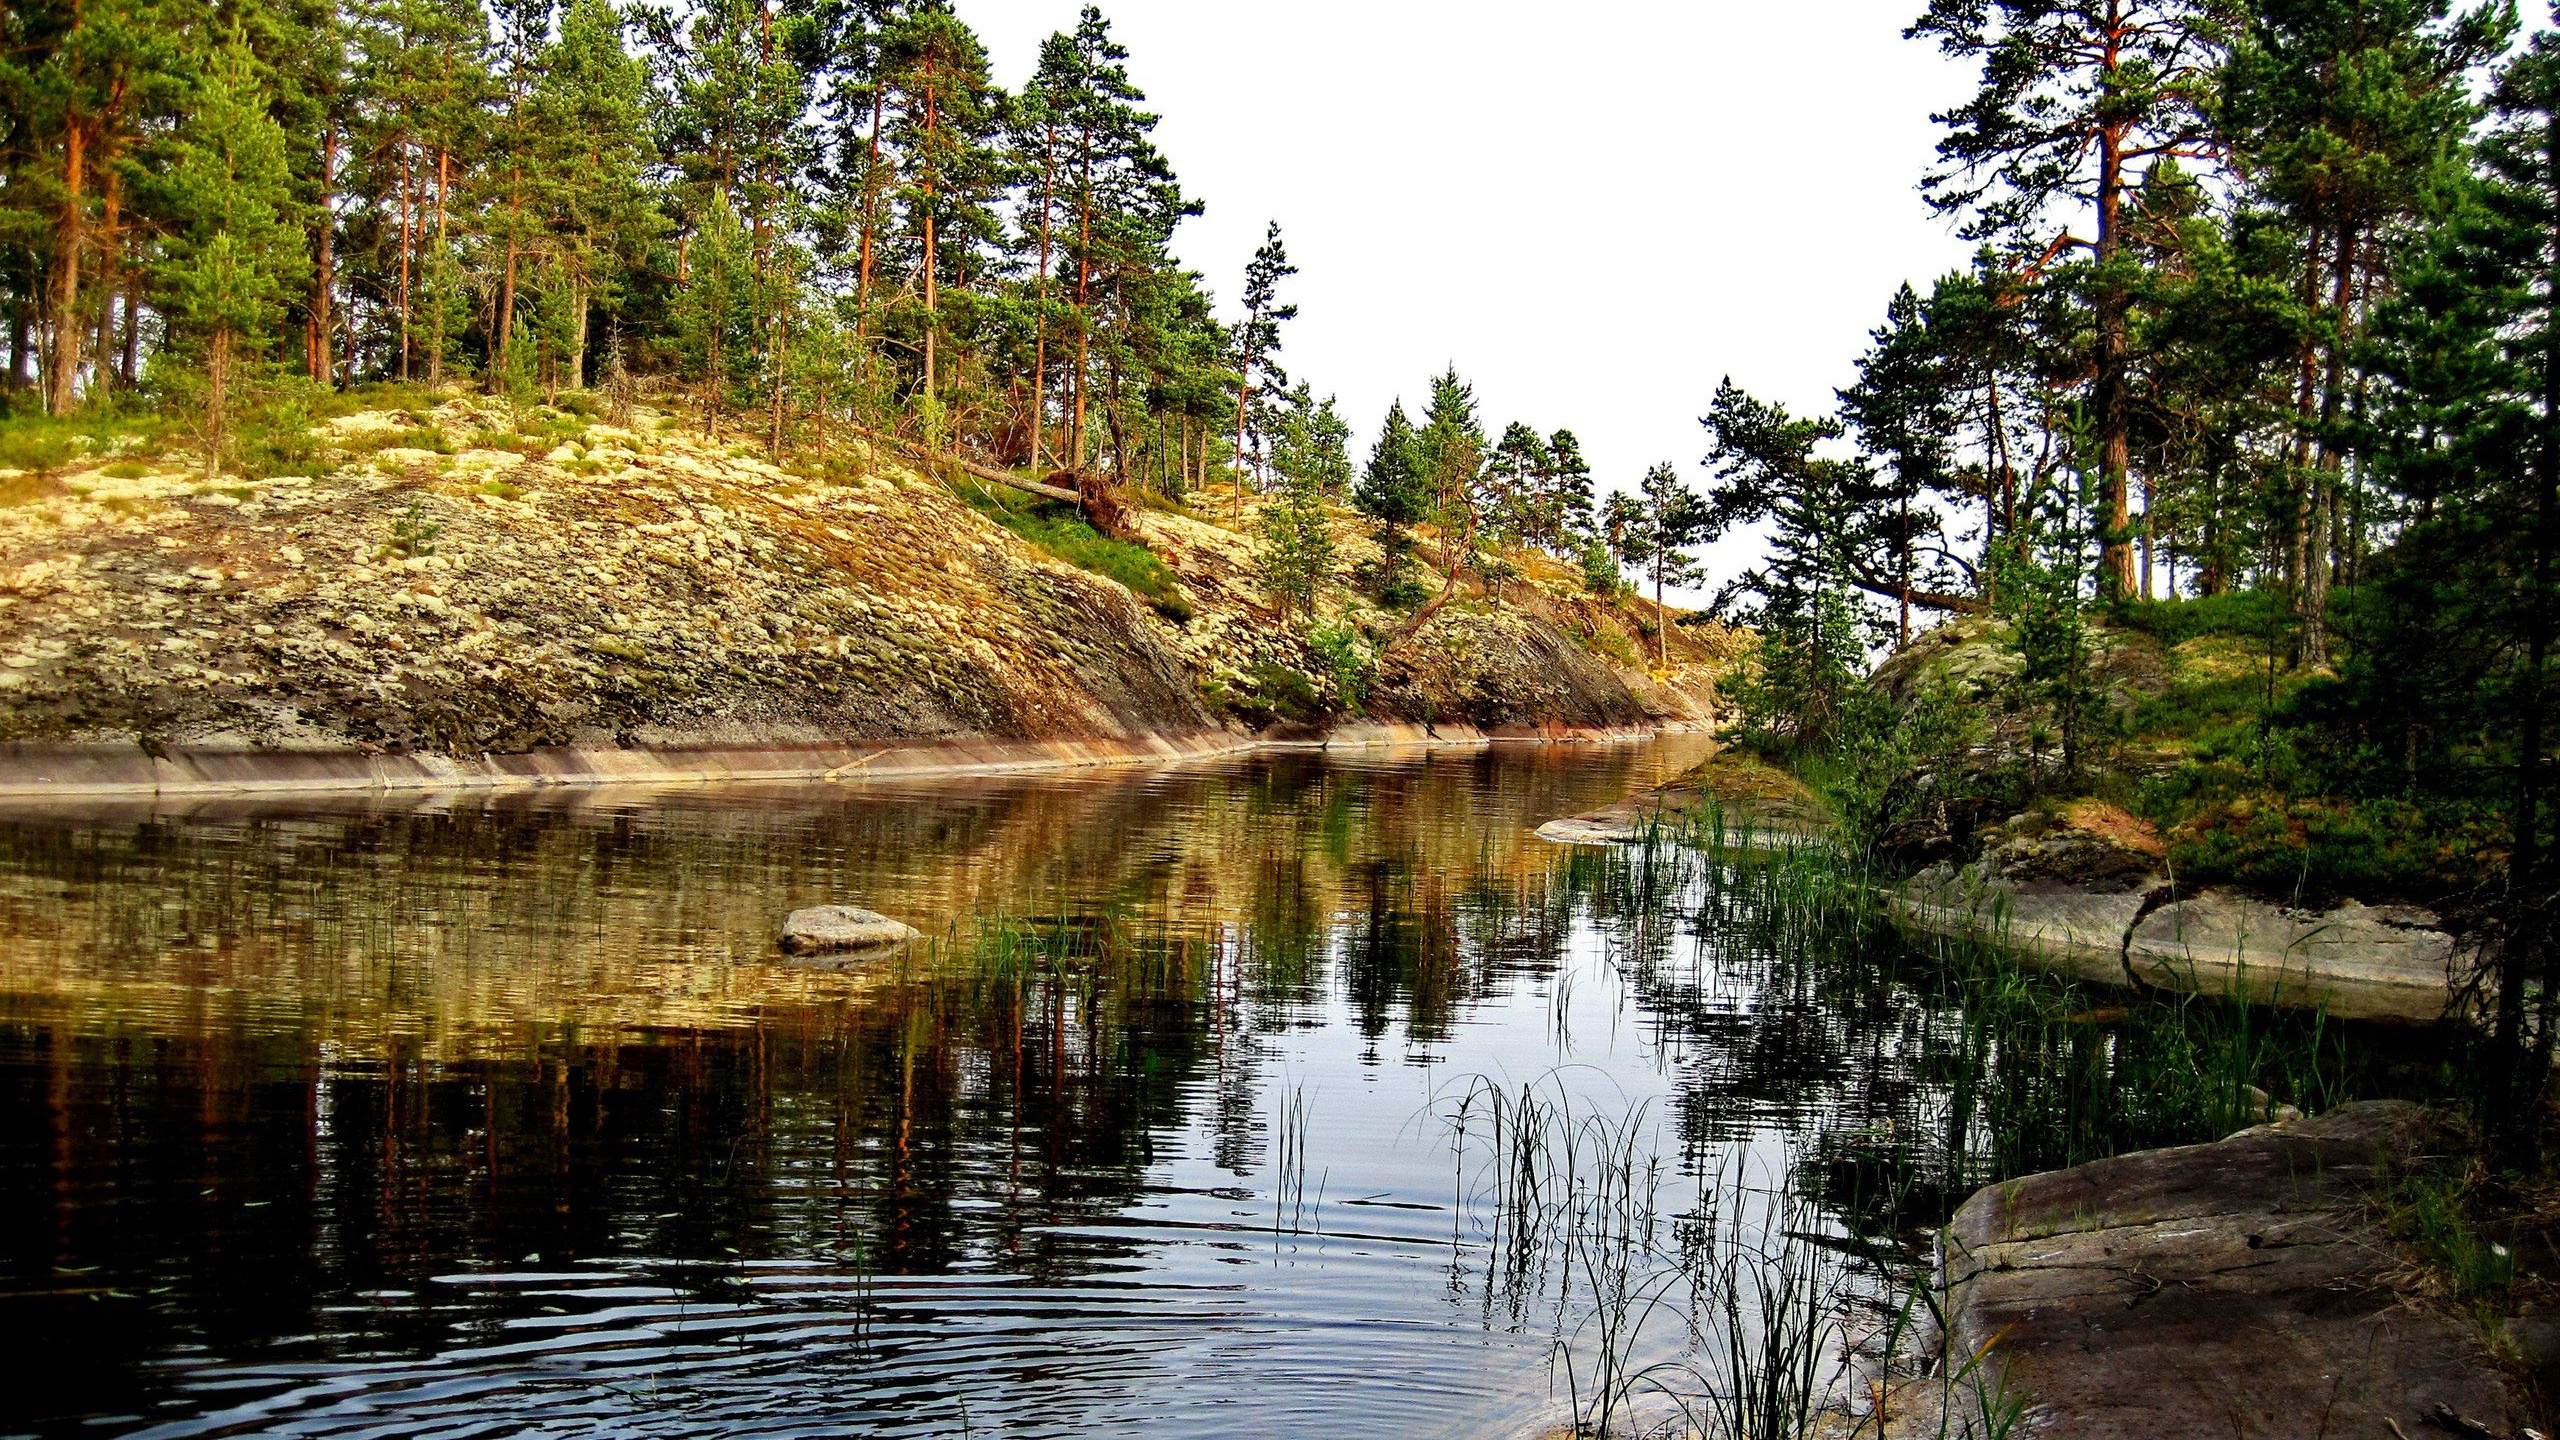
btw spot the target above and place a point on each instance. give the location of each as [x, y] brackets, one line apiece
[943, 118]
[1258, 338]
[2349, 116]
[1566, 512]
[232, 250]
[1903, 410]
[78, 78]
[1395, 491]
[2077, 97]
[588, 111]
[1653, 531]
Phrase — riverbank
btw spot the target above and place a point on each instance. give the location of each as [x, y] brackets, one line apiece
[438, 591]
[105, 772]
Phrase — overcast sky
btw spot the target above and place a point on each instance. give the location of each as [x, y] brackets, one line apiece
[1595, 210]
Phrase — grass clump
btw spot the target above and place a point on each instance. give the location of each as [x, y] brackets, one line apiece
[1065, 535]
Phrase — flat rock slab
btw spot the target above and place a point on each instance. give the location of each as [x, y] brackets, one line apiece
[2231, 1289]
[1756, 805]
[829, 929]
[2357, 962]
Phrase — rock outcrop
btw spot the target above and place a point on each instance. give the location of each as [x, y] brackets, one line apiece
[461, 583]
[2086, 894]
[2239, 1288]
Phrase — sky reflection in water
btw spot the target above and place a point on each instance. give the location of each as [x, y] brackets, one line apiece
[502, 1115]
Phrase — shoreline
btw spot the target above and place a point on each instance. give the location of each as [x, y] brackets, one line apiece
[40, 775]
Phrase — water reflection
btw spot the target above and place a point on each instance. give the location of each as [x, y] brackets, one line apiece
[323, 1118]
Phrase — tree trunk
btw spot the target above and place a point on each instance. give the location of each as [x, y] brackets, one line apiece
[110, 247]
[435, 333]
[2306, 399]
[131, 359]
[408, 243]
[1244, 397]
[2322, 496]
[2114, 429]
[324, 277]
[502, 344]
[217, 376]
[63, 285]
[1040, 297]
[932, 294]
[578, 331]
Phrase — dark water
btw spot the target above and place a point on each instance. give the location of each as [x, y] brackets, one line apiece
[502, 1116]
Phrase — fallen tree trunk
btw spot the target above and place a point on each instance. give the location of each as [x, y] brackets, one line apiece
[983, 472]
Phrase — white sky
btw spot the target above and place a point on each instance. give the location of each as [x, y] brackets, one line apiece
[1595, 210]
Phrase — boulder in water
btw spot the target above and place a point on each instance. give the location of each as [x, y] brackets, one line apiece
[827, 928]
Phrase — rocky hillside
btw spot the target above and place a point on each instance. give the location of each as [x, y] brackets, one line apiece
[460, 580]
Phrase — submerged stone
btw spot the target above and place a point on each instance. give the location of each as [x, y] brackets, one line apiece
[827, 928]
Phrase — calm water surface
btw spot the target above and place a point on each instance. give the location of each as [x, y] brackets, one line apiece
[502, 1116]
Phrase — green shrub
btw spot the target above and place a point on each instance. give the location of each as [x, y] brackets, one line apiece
[1347, 655]
[2327, 849]
[2253, 613]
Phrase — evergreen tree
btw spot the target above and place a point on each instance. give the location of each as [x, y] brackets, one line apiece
[588, 111]
[943, 121]
[2350, 117]
[232, 252]
[1903, 410]
[1769, 469]
[1653, 531]
[1298, 552]
[80, 78]
[1565, 514]
[2076, 98]
[1395, 491]
[1258, 338]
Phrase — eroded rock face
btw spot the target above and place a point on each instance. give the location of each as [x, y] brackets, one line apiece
[644, 587]
[2233, 1289]
[833, 929]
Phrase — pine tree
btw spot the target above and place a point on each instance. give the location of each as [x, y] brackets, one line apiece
[1653, 531]
[588, 110]
[1298, 551]
[79, 78]
[943, 117]
[1769, 469]
[1258, 338]
[1903, 409]
[1515, 485]
[2350, 117]
[1395, 491]
[1566, 511]
[2076, 97]
[232, 251]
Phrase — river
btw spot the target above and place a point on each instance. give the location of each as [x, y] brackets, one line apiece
[503, 1115]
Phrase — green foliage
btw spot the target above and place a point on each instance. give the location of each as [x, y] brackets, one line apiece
[1395, 491]
[1297, 556]
[2041, 579]
[1349, 659]
[1600, 574]
[2254, 614]
[1897, 770]
[2435, 1209]
[412, 533]
[1060, 532]
[2321, 850]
